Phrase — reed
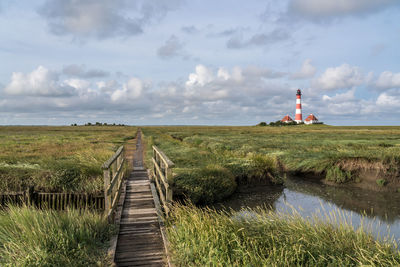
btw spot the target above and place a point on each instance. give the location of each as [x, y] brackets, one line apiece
[57, 159]
[31, 237]
[262, 154]
[261, 237]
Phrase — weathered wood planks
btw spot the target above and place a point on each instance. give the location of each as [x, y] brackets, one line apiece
[139, 241]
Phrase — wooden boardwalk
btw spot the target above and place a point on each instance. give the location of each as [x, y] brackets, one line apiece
[140, 242]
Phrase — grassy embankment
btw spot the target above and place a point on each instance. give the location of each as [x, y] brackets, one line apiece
[30, 237]
[339, 154]
[208, 175]
[57, 159]
[203, 237]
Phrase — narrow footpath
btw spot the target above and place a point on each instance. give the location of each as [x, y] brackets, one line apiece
[139, 241]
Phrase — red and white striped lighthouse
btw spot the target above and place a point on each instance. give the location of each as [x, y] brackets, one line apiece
[298, 118]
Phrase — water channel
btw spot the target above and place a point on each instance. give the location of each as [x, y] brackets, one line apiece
[380, 211]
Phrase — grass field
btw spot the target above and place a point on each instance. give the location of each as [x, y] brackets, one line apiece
[204, 237]
[57, 159]
[30, 237]
[339, 154]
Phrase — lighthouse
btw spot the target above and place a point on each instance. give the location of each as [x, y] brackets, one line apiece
[298, 118]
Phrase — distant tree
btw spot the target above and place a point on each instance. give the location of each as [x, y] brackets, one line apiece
[263, 123]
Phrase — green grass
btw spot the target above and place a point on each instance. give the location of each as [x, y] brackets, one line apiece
[262, 154]
[57, 159]
[207, 175]
[205, 237]
[30, 237]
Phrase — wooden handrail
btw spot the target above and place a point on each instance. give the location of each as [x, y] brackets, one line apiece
[110, 161]
[163, 177]
[113, 173]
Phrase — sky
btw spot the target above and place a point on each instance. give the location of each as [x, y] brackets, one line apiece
[199, 62]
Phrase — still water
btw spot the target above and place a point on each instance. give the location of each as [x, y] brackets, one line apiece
[380, 211]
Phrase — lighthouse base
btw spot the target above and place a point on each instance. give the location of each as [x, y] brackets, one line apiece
[299, 121]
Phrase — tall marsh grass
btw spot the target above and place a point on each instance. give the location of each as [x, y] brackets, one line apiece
[260, 237]
[31, 237]
[258, 154]
[57, 159]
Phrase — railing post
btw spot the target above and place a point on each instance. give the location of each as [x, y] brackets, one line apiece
[168, 177]
[107, 197]
[29, 196]
[154, 167]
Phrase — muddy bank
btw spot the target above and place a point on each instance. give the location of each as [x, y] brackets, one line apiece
[369, 179]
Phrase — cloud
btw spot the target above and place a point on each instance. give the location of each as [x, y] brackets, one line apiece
[103, 18]
[41, 82]
[238, 86]
[190, 29]
[78, 84]
[340, 97]
[131, 90]
[388, 100]
[388, 80]
[171, 48]
[107, 86]
[201, 76]
[208, 96]
[81, 72]
[377, 49]
[260, 39]
[327, 9]
[307, 70]
[342, 77]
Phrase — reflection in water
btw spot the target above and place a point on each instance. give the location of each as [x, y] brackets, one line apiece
[381, 209]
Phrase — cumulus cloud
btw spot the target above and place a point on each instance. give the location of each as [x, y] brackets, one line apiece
[388, 80]
[107, 86]
[81, 71]
[326, 9]
[131, 90]
[340, 97]
[390, 99]
[208, 96]
[41, 82]
[221, 89]
[78, 83]
[171, 48]
[341, 103]
[342, 77]
[103, 18]
[201, 76]
[307, 70]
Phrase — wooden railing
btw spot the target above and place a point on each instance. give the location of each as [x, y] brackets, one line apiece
[113, 172]
[162, 171]
[56, 201]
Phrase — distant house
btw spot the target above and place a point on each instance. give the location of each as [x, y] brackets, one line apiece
[311, 119]
[286, 119]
